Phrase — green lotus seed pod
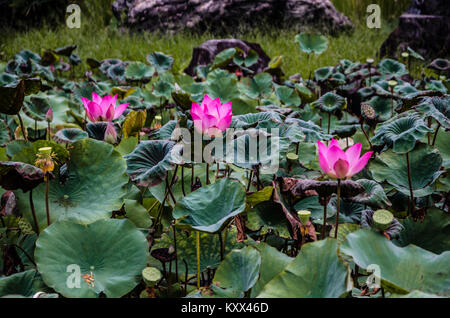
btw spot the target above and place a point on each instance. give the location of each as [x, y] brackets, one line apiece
[382, 219]
[405, 54]
[392, 83]
[158, 117]
[292, 156]
[151, 276]
[304, 216]
[45, 150]
[370, 61]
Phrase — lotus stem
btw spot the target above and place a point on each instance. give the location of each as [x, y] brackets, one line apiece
[207, 173]
[329, 122]
[411, 193]
[222, 247]
[436, 133]
[175, 247]
[249, 180]
[324, 227]
[47, 207]
[35, 128]
[217, 171]
[297, 148]
[198, 260]
[338, 207]
[192, 176]
[365, 134]
[33, 211]
[182, 181]
[22, 127]
[48, 131]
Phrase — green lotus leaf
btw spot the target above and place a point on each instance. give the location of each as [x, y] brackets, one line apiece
[139, 71]
[137, 214]
[91, 188]
[444, 146]
[267, 217]
[186, 249]
[287, 95]
[315, 272]
[163, 89]
[312, 131]
[401, 133]
[438, 86]
[392, 67]
[373, 195]
[254, 119]
[425, 163]
[312, 43]
[402, 270]
[24, 284]
[350, 212]
[115, 257]
[209, 208]
[239, 270]
[382, 107]
[224, 58]
[432, 234]
[165, 132]
[70, 135]
[258, 86]
[437, 108]
[312, 204]
[272, 263]
[331, 102]
[160, 61]
[324, 73]
[116, 72]
[294, 133]
[29, 154]
[149, 163]
[224, 87]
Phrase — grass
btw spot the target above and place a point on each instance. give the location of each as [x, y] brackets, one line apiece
[96, 40]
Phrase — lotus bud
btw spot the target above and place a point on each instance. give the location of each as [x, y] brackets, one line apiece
[110, 134]
[49, 115]
[304, 215]
[382, 219]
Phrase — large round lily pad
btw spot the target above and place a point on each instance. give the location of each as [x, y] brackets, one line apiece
[24, 283]
[92, 187]
[425, 164]
[402, 270]
[113, 251]
[315, 272]
[312, 43]
[210, 207]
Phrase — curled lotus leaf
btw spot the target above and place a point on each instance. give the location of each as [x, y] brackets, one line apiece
[440, 65]
[139, 71]
[254, 119]
[312, 131]
[382, 107]
[70, 135]
[425, 164]
[401, 133]
[25, 284]
[330, 102]
[322, 74]
[437, 108]
[160, 61]
[149, 163]
[420, 269]
[392, 67]
[19, 175]
[373, 194]
[111, 273]
[209, 208]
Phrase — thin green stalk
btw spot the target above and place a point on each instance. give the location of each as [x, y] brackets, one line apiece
[22, 127]
[198, 260]
[182, 181]
[222, 247]
[329, 122]
[175, 247]
[411, 193]
[435, 134]
[33, 211]
[47, 207]
[324, 227]
[207, 173]
[338, 207]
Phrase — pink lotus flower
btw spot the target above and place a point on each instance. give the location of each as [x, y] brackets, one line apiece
[103, 109]
[211, 117]
[339, 164]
